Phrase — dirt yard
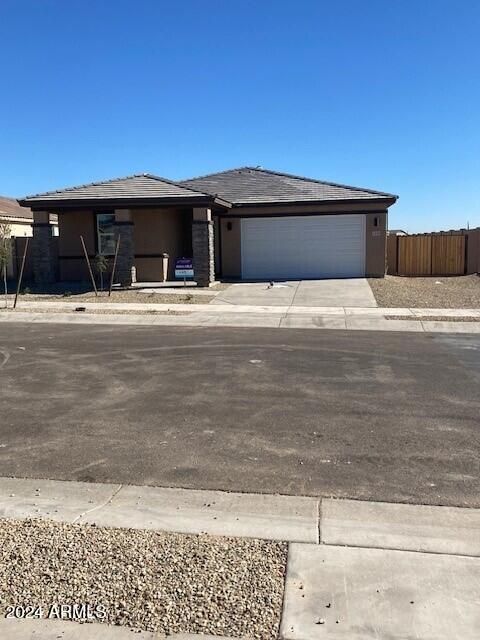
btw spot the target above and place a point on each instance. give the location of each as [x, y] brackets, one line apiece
[456, 292]
[118, 296]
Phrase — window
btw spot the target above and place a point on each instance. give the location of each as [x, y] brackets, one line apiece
[106, 233]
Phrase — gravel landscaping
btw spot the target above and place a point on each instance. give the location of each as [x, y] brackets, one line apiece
[456, 292]
[119, 296]
[90, 311]
[146, 580]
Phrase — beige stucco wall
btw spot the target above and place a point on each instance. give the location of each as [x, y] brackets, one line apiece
[19, 229]
[156, 231]
[231, 248]
[375, 244]
[375, 236]
[169, 230]
[72, 225]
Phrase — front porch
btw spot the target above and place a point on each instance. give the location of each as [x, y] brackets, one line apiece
[150, 239]
[150, 217]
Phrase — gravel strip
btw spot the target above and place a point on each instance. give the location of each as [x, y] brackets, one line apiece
[458, 292]
[90, 311]
[146, 580]
[120, 296]
[435, 318]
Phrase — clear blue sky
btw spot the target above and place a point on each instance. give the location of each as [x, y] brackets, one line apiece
[376, 93]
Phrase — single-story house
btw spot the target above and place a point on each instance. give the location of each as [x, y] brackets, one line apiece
[247, 224]
[19, 219]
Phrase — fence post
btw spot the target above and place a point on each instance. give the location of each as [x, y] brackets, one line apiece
[396, 254]
[465, 257]
[15, 250]
[432, 247]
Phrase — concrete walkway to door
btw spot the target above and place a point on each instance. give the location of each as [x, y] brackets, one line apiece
[349, 292]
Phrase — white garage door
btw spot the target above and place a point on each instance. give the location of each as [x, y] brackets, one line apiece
[331, 246]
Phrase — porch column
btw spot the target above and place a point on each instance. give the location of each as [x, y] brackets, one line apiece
[126, 252]
[203, 247]
[44, 256]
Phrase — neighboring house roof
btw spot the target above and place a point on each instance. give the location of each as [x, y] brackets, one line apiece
[253, 185]
[397, 232]
[142, 187]
[10, 210]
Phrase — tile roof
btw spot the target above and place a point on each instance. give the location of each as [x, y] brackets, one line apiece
[134, 187]
[243, 186]
[253, 185]
[10, 208]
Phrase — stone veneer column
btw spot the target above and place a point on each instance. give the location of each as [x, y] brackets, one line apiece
[44, 258]
[126, 252]
[203, 247]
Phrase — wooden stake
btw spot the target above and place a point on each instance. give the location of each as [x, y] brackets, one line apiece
[89, 266]
[114, 265]
[19, 284]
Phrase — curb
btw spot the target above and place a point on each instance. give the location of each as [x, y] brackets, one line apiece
[219, 308]
[44, 629]
[266, 320]
[191, 511]
[339, 522]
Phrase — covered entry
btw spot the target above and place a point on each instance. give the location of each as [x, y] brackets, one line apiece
[298, 247]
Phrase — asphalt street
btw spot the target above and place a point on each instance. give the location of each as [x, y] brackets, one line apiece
[387, 416]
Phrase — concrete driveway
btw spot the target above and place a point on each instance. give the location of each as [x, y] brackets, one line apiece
[350, 292]
[384, 416]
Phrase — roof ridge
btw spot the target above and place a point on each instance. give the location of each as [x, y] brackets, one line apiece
[331, 184]
[215, 173]
[175, 184]
[296, 177]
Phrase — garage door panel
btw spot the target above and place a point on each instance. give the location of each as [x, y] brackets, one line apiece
[303, 247]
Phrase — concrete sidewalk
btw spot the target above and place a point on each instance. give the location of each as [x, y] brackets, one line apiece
[405, 527]
[350, 593]
[376, 570]
[220, 308]
[450, 530]
[286, 518]
[42, 629]
[226, 316]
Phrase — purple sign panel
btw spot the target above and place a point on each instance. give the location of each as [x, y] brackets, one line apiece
[183, 268]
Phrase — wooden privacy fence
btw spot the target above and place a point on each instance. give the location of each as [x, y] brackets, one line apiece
[435, 254]
[431, 255]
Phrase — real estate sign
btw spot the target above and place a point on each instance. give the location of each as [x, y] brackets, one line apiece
[183, 268]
